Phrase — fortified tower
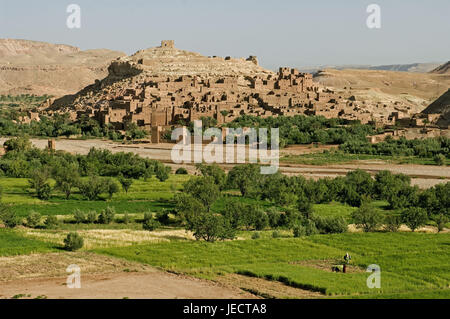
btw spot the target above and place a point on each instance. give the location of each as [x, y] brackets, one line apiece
[168, 44]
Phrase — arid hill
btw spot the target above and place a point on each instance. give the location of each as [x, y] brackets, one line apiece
[442, 69]
[417, 90]
[441, 106]
[31, 67]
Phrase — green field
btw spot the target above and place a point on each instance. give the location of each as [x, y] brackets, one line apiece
[411, 264]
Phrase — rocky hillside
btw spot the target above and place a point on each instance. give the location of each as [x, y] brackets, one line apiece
[442, 69]
[417, 90]
[31, 67]
[441, 106]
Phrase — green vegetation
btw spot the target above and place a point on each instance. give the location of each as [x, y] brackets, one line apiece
[409, 262]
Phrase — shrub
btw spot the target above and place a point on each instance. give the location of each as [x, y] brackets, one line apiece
[111, 187]
[33, 219]
[276, 234]
[126, 219]
[331, 225]
[439, 159]
[274, 218]
[256, 235]
[367, 217]
[91, 217]
[107, 215]
[92, 188]
[414, 217]
[9, 217]
[440, 220]
[163, 217]
[392, 223]
[299, 231]
[51, 222]
[73, 242]
[181, 171]
[79, 216]
[150, 224]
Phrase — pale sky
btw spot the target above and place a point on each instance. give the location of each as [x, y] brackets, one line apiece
[281, 33]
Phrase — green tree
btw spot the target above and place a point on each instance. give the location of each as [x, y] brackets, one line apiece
[414, 217]
[111, 187]
[39, 182]
[203, 189]
[367, 217]
[125, 182]
[66, 178]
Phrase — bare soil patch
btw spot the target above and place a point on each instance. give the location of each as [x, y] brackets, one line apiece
[45, 276]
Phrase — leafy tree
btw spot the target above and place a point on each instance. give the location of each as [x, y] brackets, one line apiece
[92, 187]
[39, 182]
[414, 217]
[392, 223]
[204, 189]
[246, 178]
[66, 178]
[440, 220]
[215, 172]
[150, 223]
[125, 182]
[51, 221]
[305, 207]
[111, 187]
[162, 172]
[367, 217]
[18, 144]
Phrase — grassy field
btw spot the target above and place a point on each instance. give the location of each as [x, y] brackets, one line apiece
[412, 265]
[12, 243]
[343, 158]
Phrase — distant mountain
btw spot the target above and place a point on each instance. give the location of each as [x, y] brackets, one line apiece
[442, 69]
[32, 67]
[414, 67]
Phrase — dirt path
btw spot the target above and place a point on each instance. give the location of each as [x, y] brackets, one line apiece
[156, 285]
[422, 175]
[102, 277]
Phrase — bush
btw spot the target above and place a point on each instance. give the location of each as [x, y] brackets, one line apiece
[9, 217]
[439, 159]
[256, 235]
[92, 188]
[150, 224]
[274, 218]
[367, 217]
[91, 217]
[299, 231]
[126, 219]
[79, 216]
[163, 217]
[33, 219]
[107, 215]
[181, 171]
[392, 223]
[440, 221]
[276, 234]
[331, 225]
[51, 222]
[73, 242]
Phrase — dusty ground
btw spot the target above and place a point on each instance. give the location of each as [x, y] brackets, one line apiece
[44, 276]
[422, 175]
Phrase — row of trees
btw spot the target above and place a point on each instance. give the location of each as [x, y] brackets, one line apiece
[62, 125]
[297, 195]
[425, 148]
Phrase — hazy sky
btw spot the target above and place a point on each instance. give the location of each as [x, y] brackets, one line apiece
[283, 32]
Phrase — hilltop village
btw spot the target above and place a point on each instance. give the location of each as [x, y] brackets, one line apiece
[164, 87]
